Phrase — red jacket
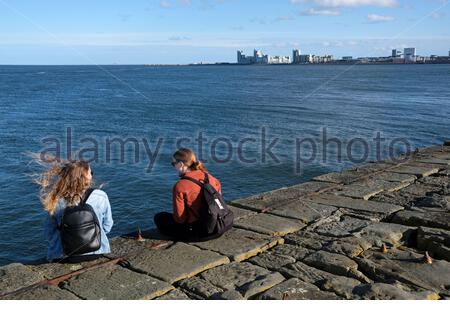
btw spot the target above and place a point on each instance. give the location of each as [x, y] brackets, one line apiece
[188, 199]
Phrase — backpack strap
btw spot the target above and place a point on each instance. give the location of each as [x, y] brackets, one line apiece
[86, 195]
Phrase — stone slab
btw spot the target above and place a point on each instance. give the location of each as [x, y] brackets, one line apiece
[350, 246]
[251, 289]
[116, 283]
[271, 261]
[295, 289]
[15, 276]
[425, 218]
[395, 177]
[342, 286]
[239, 244]
[44, 293]
[356, 204]
[175, 294]
[435, 241]
[353, 174]
[234, 275]
[390, 234]
[200, 287]
[307, 239]
[280, 196]
[344, 227]
[439, 161]
[335, 263]
[165, 263]
[308, 273]
[54, 270]
[240, 213]
[369, 188]
[305, 211]
[407, 267]
[414, 170]
[295, 252]
[269, 224]
[396, 291]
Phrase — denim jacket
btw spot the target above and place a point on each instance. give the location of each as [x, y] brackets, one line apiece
[100, 203]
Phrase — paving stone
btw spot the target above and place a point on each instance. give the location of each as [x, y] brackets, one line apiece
[435, 202]
[435, 241]
[295, 252]
[396, 291]
[305, 211]
[369, 188]
[342, 286]
[54, 270]
[261, 284]
[415, 170]
[335, 263]
[381, 233]
[240, 213]
[419, 189]
[129, 246]
[200, 287]
[307, 239]
[407, 267]
[234, 275]
[271, 261]
[353, 174]
[445, 173]
[395, 177]
[269, 224]
[401, 198]
[280, 196]
[229, 295]
[350, 246]
[439, 161]
[295, 289]
[165, 263]
[342, 228]
[43, 293]
[356, 204]
[115, 282]
[426, 218]
[441, 181]
[239, 244]
[15, 276]
[175, 294]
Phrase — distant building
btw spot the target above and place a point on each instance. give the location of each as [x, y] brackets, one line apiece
[409, 55]
[296, 56]
[243, 59]
[347, 58]
[396, 53]
[305, 58]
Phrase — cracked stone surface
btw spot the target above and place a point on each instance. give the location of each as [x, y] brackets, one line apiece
[239, 244]
[357, 234]
[115, 282]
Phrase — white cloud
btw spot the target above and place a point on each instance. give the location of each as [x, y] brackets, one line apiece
[375, 18]
[349, 3]
[320, 12]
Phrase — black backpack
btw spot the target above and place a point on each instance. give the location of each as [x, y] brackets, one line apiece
[217, 218]
[80, 229]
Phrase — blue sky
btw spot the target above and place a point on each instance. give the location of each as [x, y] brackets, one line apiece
[186, 31]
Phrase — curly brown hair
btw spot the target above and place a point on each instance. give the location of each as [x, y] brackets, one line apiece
[65, 179]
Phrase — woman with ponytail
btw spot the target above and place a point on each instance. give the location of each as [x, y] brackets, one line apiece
[187, 198]
[64, 185]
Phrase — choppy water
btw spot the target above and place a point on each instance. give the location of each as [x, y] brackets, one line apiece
[226, 104]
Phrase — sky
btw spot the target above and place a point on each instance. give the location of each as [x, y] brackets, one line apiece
[192, 31]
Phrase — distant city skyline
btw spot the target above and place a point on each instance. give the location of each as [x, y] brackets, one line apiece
[191, 31]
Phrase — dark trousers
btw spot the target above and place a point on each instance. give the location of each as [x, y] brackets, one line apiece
[78, 259]
[181, 231]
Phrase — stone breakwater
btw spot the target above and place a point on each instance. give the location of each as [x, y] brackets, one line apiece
[378, 231]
